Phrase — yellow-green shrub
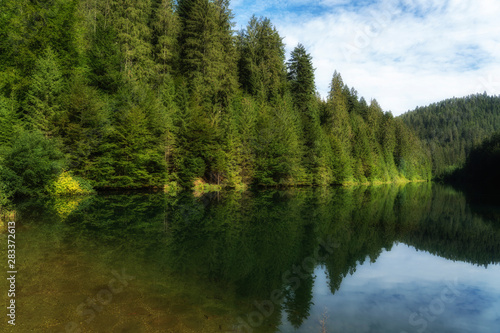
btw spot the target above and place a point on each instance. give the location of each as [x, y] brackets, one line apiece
[66, 184]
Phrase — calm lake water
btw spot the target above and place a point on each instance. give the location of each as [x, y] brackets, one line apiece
[414, 258]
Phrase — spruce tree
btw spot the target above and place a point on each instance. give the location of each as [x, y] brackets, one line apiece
[137, 155]
[165, 25]
[207, 51]
[279, 148]
[85, 126]
[261, 66]
[387, 138]
[42, 105]
[104, 57]
[301, 78]
[131, 20]
[340, 130]
[302, 88]
[209, 66]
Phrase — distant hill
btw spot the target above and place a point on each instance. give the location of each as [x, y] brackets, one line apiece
[452, 128]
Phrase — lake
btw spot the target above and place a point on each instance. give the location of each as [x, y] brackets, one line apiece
[392, 258]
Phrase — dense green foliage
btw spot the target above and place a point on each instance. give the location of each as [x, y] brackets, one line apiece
[151, 92]
[452, 128]
[30, 165]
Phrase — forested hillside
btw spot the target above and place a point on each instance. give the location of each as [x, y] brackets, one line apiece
[452, 128]
[130, 94]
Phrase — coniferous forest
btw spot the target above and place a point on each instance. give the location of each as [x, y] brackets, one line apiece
[154, 93]
[453, 128]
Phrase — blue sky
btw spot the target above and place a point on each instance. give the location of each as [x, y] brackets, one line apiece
[404, 53]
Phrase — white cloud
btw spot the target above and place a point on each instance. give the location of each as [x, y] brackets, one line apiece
[404, 53]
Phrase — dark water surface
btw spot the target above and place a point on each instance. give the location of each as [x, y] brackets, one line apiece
[414, 258]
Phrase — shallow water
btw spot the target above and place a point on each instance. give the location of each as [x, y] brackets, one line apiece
[414, 258]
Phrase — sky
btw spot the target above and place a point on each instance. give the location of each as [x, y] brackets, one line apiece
[403, 53]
